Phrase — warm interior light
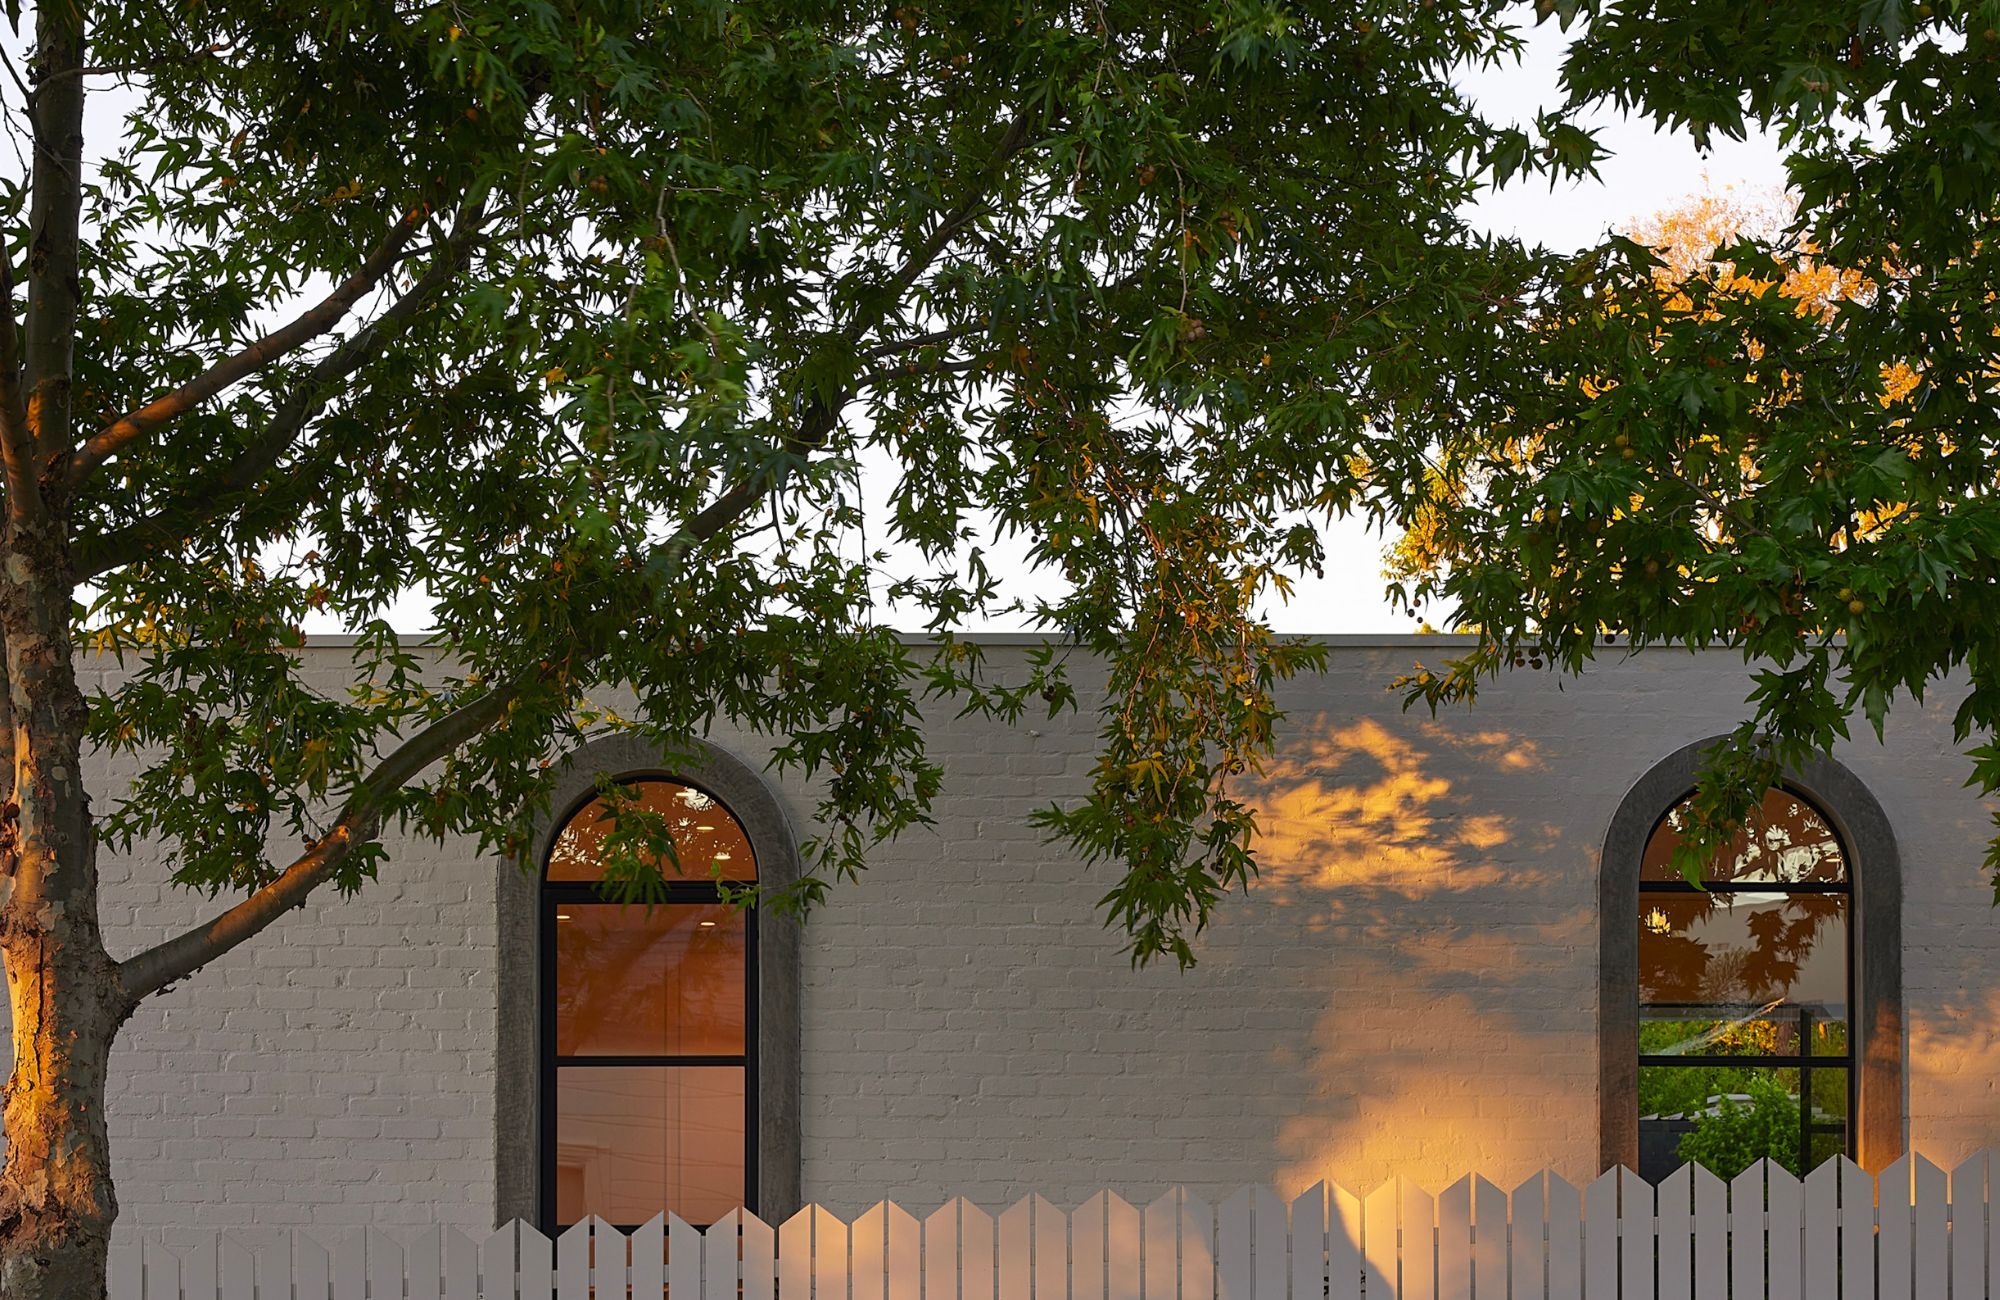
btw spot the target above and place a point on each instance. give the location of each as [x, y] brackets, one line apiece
[562, 916]
[722, 857]
[1658, 922]
[708, 925]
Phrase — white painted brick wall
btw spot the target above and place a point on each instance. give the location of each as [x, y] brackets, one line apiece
[1410, 988]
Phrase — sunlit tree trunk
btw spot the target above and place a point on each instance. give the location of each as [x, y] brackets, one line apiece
[65, 993]
[56, 1199]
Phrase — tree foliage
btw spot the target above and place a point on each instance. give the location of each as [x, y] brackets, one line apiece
[581, 317]
[1806, 475]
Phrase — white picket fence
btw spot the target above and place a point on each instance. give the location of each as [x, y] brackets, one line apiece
[1922, 1234]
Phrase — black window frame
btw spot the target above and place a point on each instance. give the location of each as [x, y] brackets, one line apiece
[1848, 1061]
[553, 895]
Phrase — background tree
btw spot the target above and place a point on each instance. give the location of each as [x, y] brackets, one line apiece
[578, 318]
[1806, 475]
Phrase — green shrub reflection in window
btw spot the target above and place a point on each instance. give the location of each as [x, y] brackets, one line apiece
[1738, 1131]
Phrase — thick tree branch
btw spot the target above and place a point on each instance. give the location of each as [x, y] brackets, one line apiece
[329, 312]
[48, 343]
[224, 489]
[358, 824]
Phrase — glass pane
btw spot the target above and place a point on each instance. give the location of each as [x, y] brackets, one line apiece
[1726, 1117]
[1743, 973]
[1787, 841]
[664, 981]
[706, 837]
[1742, 1030]
[633, 1141]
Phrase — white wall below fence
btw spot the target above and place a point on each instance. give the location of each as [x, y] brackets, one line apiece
[1764, 1235]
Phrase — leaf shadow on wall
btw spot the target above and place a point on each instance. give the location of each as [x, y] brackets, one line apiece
[1438, 882]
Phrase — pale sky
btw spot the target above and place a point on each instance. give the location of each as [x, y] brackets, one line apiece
[1648, 172]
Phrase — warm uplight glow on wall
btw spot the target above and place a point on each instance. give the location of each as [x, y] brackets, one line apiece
[1450, 941]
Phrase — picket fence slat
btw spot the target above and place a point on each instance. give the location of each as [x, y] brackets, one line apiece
[1968, 1228]
[1051, 1251]
[1565, 1229]
[125, 1270]
[1016, 1231]
[1918, 1232]
[795, 1255]
[871, 1239]
[1343, 1245]
[1930, 1208]
[1454, 1238]
[497, 1263]
[1673, 1228]
[760, 1259]
[350, 1270]
[1746, 1234]
[905, 1255]
[461, 1267]
[1162, 1252]
[1600, 1236]
[1122, 1249]
[312, 1270]
[1711, 1234]
[1379, 1246]
[721, 1273]
[1489, 1239]
[1527, 1235]
[1086, 1249]
[1635, 1236]
[1895, 1232]
[1308, 1242]
[237, 1270]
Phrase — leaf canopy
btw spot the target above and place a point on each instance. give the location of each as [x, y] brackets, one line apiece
[1788, 445]
[591, 320]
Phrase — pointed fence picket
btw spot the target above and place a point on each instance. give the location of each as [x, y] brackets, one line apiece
[1919, 1232]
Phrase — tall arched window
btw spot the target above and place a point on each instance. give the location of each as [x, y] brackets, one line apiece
[649, 1018]
[1744, 996]
[1762, 1008]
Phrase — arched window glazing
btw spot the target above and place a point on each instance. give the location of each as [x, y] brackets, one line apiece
[649, 1030]
[1745, 996]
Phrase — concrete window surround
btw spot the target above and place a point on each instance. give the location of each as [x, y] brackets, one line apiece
[1875, 870]
[517, 1109]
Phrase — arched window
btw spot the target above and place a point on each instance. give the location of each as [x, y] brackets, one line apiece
[1744, 996]
[1758, 1013]
[649, 1015]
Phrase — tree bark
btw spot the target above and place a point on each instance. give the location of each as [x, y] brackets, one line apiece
[65, 994]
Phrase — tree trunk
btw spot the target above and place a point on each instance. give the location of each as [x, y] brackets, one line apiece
[65, 993]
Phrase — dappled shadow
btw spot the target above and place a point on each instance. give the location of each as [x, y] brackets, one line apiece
[1429, 875]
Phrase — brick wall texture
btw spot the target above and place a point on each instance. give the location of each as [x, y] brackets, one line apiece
[1410, 988]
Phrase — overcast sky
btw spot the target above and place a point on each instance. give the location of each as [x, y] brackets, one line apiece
[1649, 171]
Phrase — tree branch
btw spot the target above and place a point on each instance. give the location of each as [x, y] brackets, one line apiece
[15, 453]
[122, 433]
[223, 490]
[359, 822]
[48, 341]
[896, 347]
